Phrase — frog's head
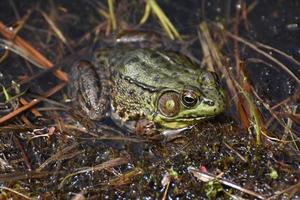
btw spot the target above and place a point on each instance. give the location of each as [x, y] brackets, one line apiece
[183, 106]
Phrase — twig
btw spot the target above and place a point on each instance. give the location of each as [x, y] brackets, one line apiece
[54, 27]
[237, 153]
[24, 154]
[206, 177]
[112, 14]
[32, 103]
[254, 47]
[108, 164]
[167, 25]
[10, 35]
[33, 110]
[16, 192]
[215, 58]
[254, 114]
[279, 52]
[297, 185]
[18, 176]
[59, 155]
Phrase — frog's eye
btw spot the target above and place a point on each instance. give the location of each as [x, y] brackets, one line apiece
[168, 103]
[208, 79]
[189, 98]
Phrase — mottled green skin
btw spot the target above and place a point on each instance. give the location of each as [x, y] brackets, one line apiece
[138, 77]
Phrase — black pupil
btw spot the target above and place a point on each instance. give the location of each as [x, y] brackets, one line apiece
[189, 100]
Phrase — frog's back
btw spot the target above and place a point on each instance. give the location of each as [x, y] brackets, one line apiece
[154, 68]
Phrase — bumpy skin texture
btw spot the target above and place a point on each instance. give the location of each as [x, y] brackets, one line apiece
[163, 88]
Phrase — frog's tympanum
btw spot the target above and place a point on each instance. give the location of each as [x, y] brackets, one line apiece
[145, 90]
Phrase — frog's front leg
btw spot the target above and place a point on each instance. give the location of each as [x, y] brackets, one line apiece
[148, 129]
[89, 90]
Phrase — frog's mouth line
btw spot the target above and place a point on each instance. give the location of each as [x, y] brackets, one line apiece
[187, 119]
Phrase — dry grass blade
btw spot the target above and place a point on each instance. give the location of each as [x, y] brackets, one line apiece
[254, 47]
[4, 55]
[108, 164]
[23, 151]
[22, 21]
[6, 44]
[288, 128]
[37, 56]
[126, 178]
[112, 14]
[34, 111]
[14, 127]
[15, 192]
[164, 20]
[278, 193]
[17, 176]
[254, 114]
[214, 60]
[96, 136]
[206, 177]
[279, 52]
[54, 27]
[212, 55]
[295, 97]
[236, 152]
[103, 13]
[63, 154]
[146, 13]
[274, 115]
[32, 103]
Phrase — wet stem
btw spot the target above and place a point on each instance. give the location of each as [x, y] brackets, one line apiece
[151, 5]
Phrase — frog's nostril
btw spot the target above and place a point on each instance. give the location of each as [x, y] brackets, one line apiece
[208, 102]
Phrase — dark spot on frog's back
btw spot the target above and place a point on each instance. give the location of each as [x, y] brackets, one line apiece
[175, 75]
[154, 56]
[133, 61]
[131, 92]
[156, 78]
[186, 70]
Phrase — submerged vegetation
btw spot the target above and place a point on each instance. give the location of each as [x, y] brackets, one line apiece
[251, 152]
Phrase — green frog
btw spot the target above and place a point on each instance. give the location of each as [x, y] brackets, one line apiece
[145, 90]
